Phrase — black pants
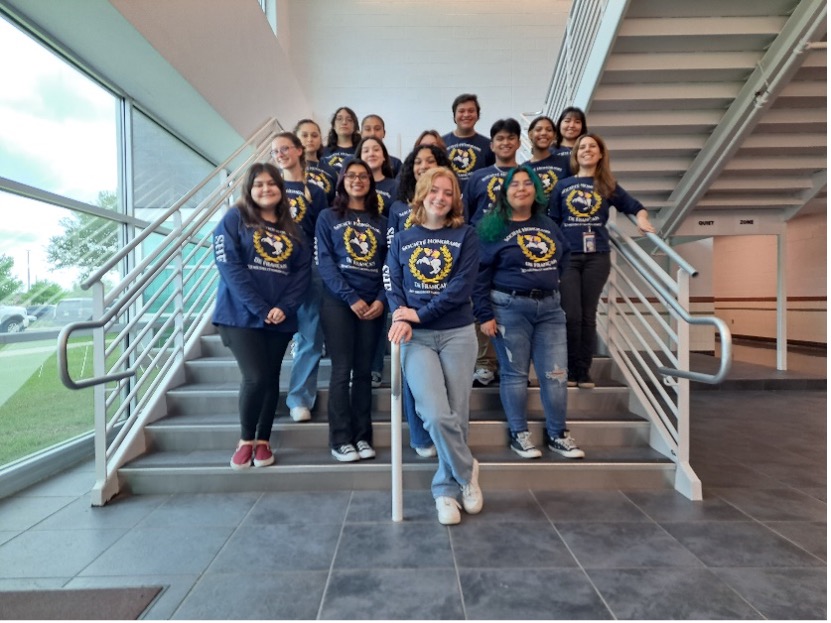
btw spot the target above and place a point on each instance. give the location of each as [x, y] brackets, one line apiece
[259, 354]
[351, 344]
[580, 289]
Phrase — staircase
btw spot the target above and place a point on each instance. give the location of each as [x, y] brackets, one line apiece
[189, 449]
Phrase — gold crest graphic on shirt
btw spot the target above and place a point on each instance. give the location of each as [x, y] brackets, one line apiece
[494, 186]
[298, 208]
[537, 247]
[462, 160]
[335, 161]
[549, 180]
[431, 265]
[583, 204]
[319, 179]
[272, 247]
[360, 244]
[408, 222]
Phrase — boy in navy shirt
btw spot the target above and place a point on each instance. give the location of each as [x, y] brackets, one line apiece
[467, 150]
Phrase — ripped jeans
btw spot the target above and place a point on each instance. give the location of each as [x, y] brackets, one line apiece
[531, 330]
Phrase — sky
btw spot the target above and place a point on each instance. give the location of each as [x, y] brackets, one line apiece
[58, 133]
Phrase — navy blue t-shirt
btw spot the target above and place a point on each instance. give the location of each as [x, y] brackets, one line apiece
[468, 155]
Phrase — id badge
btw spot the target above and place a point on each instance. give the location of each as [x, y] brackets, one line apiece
[589, 242]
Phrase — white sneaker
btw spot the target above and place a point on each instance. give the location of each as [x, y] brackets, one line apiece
[346, 453]
[448, 510]
[300, 414]
[365, 451]
[426, 453]
[483, 376]
[471, 493]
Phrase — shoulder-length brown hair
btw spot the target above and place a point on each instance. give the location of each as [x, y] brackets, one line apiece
[604, 181]
[456, 217]
[249, 210]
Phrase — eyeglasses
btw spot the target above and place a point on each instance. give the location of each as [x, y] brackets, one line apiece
[356, 176]
[282, 150]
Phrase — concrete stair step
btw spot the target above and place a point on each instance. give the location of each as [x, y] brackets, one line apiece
[202, 471]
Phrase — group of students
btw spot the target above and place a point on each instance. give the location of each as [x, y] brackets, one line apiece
[463, 248]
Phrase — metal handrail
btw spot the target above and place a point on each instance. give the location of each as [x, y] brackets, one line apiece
[150, 320]
[648, 269]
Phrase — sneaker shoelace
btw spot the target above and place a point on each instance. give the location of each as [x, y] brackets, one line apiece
[568, 442]
[524, 440]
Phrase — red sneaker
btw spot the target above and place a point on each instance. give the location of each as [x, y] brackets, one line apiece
[263, 455]
[242, 457]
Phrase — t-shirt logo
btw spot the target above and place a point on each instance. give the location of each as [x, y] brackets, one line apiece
[462, 160]
[583, 204]
[431, 265]
[335, 161]
[360, 244]
[298, 208]
[537, 246]
[494, 186]
[272, 247]
[549, 180]
[321, 180]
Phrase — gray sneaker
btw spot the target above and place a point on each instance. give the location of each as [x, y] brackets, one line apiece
[472, 500]
[365, 450]
[521, 444]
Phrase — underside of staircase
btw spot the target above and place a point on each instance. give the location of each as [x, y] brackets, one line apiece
[189, 449]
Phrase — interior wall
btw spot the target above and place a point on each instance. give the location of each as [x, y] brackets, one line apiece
[744, 283]
[407, 60]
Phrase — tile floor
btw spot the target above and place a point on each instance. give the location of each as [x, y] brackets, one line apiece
[754, 548]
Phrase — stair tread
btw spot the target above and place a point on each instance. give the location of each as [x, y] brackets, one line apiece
[313, 458]
[603, 385]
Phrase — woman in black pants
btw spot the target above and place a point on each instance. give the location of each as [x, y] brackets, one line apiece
[264, 266]
[351, 246]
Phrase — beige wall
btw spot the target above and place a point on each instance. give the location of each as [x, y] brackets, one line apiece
[744, 281]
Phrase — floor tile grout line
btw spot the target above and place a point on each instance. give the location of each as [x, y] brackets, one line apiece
[334, 557]
[201, 575]
[456, 571]
[576, 560]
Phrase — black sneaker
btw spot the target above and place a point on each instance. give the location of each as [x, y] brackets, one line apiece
[566, 446]
[584, 381]
[572, 379]
[346, 453]
[522, 445]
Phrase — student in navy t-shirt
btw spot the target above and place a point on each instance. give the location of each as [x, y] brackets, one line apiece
[372, 126]
[580, 206]
[467, 150]
[317, 172]
[342, 139]
[548, 167]
[264, 264]
[432, 268]
[517, 300]
[350, 245]
[570, 125]
[306, 202]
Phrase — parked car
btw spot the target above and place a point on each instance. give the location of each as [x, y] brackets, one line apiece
[72, 310]
[13, 319]
[42, 311]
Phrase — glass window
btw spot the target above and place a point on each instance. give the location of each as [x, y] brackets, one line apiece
[59, 127]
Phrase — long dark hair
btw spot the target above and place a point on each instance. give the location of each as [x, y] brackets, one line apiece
[386, 167]
[341, 203]
[568, 111]
[406, 178]
[332, 140]
[249, 210]
[495, 223]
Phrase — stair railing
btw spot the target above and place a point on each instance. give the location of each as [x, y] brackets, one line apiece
[645, 321]
[147, 324]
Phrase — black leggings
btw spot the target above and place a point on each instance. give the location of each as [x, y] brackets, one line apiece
[259, 354]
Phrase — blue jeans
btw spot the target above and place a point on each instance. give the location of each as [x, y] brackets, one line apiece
[309, 343]
[438, 365]
[581, 286]
[531, 330]
[419, 437]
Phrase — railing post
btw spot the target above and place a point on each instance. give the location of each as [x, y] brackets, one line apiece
[395, 434]
[179, 294]
[686, 481]
[99, 395]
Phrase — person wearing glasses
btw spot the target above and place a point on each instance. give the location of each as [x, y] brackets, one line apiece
[517, 301]
[306, 201]
[432, 270]
[351, 243]
[342, 139]
[264, 265]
